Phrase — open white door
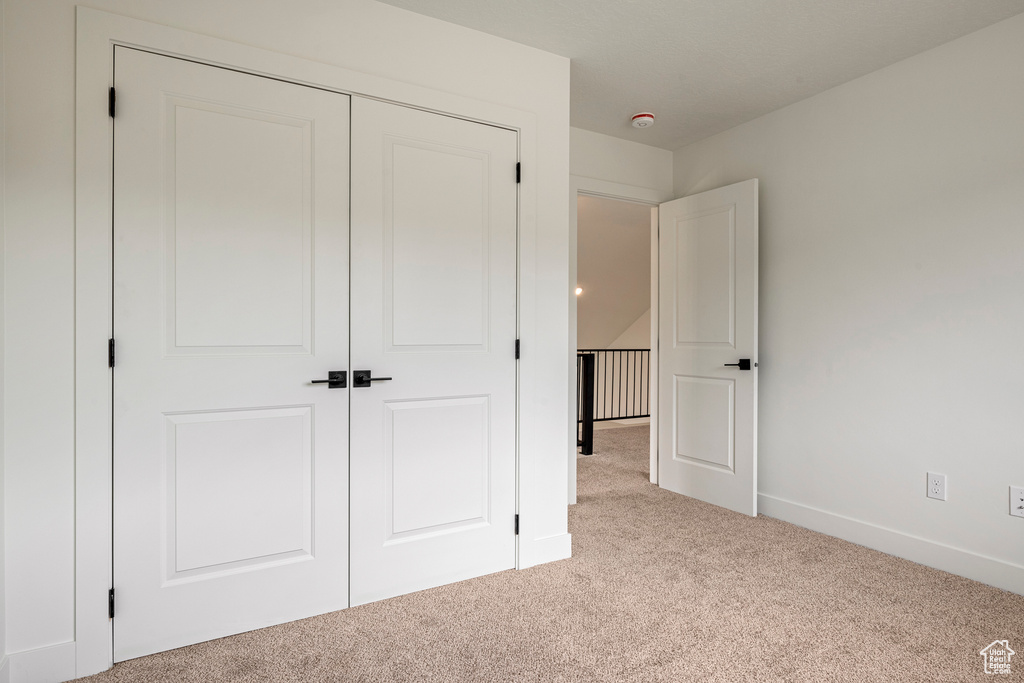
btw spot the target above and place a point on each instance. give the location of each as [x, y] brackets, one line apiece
[707, 378]
[434, 319]
[230, 295]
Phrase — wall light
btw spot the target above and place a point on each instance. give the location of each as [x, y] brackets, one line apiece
[579, 290]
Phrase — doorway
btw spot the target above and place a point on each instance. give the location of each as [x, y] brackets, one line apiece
[614, 317]
[717, 227]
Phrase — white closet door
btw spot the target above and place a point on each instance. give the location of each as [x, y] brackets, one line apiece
[230, 296]
[707, 348]
[434, 310]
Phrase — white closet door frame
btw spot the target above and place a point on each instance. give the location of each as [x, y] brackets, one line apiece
[97, 34]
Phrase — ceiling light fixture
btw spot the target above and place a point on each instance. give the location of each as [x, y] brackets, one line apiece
[643, 120]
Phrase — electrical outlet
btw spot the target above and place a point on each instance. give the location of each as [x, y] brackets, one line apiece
[1017, 501]
[937, 486]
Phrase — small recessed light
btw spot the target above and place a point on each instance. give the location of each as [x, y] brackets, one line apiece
[579, 290]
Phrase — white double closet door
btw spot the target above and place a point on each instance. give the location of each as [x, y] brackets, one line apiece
[245, 494]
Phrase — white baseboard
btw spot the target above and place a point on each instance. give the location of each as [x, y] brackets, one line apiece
[545, 550]
[53, 664]
[989, 570]
[5, 670]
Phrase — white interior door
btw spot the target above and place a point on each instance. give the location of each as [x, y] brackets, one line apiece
[230, 296]
[433, 311]
[707, 395]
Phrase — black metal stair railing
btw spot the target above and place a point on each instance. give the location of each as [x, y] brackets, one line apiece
[611, 384]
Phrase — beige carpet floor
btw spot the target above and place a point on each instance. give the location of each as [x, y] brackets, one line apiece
[659, 588]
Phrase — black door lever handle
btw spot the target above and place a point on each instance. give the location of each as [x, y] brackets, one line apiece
[362, 378]
[744, 364]
[336, 379]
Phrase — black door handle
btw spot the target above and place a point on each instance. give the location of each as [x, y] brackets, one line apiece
[744, 364]
[336, 379]
[362, 378]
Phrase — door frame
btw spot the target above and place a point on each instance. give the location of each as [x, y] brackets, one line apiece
[97, 34]
[593, 187]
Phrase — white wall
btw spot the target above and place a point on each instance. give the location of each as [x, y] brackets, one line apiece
[593, 155]
[637, 335]
[892, 244]
[601, 164]
[613, 264]
[3, 497]
[361, 35]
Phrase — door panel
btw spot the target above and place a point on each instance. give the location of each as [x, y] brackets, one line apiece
[238, 487]
[439, 301]
[230, 295]
[434, 292]
[239, 178]
[705, 292]
[707, 419]
[705, 410]
[435, 465]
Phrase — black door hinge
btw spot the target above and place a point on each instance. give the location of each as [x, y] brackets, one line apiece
[111, 100]
[517, 533]
[110, 604]
[519, 168]
[110, 352]
[517, 349]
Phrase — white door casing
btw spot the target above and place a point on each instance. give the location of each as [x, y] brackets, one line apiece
[230, 296]
[708, 320]
[434, 308]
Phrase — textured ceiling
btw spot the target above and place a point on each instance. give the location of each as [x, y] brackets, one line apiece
[704, 66]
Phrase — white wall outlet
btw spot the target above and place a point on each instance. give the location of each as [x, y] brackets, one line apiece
[1017, 501]
[937, 486]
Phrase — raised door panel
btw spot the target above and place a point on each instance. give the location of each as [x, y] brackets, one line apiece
[437, 466]
[238, 212]
[705, 420]
[436, 228]
[239, 489]
[705, 282]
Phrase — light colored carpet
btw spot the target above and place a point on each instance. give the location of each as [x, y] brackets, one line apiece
[659, 588]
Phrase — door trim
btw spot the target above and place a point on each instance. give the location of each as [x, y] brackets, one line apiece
[97, 34]
[593, 187]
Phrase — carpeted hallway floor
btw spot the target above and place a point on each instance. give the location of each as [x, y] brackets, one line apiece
[659, 588]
